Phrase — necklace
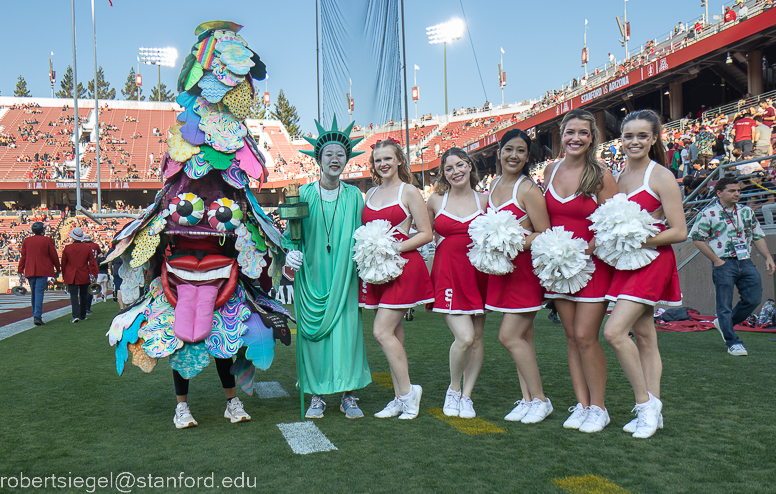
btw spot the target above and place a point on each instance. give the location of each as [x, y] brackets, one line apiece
[329, 228]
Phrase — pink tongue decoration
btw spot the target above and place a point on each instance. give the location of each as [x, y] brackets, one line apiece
[194, 312]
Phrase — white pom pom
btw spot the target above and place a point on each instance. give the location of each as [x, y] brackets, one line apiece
[560, 262]
[497, 237]
[621, 228]
[375, 255]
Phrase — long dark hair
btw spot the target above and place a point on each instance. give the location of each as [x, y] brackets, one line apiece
[657, 152]
[442, 185]
[521, 134]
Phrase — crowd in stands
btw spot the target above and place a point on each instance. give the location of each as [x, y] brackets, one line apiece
[55, 147]
[14, 229]
[681, 36]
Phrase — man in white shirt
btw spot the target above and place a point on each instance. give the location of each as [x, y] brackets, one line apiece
[686, 157]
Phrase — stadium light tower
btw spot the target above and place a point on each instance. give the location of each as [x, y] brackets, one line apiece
[159, 57]
[445, 33]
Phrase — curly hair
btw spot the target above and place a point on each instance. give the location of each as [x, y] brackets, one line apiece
[404, 167]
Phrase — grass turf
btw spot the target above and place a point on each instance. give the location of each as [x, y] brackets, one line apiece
[66, 412]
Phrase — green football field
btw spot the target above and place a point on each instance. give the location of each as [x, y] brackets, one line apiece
[68, 419]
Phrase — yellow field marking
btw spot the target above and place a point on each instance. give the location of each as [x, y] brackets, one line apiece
[293, 331]
[383, 379]
[589, 484]
[467, 426]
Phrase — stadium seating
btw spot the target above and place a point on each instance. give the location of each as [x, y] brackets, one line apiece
[139, 148]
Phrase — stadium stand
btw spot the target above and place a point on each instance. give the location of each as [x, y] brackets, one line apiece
[127, 138]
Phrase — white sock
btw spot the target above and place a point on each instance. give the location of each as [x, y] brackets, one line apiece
[407, 396]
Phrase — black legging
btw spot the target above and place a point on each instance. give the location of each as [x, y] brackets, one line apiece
[223, 365]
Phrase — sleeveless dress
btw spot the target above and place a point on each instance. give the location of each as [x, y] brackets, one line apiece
[658, 281]
[458, 287]
[571, 212]
[413, 286]
[520, 290]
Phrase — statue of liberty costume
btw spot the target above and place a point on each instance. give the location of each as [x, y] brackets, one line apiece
[332, 356]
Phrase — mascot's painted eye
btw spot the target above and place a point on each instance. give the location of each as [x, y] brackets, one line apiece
[187, 209]
[224, 215]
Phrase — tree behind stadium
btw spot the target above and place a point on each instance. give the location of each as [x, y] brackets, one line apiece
[21, 90]
[104, 91]
[286, 113]
[131, 90]
[160, 93]
[66, 85]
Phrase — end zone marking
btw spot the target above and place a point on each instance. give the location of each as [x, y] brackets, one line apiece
[589, 484]
[467, 426]
[305, 438]
[383, 379]
[271, 389]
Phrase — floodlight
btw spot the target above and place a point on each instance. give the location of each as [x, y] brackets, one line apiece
[445, 32]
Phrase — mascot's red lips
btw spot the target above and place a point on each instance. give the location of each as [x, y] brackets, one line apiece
[212, 270]
[204, 286]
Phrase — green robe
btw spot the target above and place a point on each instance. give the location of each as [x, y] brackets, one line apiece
[330, 329]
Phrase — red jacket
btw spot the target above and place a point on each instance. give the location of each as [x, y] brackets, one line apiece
[39, 257]
[78, 263]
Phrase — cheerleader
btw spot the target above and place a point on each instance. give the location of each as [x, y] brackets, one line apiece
[459, 289]
[518, 295]
[654, 188]
[400, 205]
[575, 186]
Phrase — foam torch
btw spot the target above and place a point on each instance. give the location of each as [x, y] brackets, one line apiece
[293, 211]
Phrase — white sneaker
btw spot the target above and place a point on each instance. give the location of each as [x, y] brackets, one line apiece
[648, 417]
[597, 418]
[467, 408]
[577, 417]
[411, 406]
[452, 405]
[392, 409]
[631, 426]
[182, 418]
[538, 412]
[517, 413]
[716, 325]
[737, 350]
[235, 412]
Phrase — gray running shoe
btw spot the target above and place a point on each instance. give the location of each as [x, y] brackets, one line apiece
[349, 407]
[317, 407]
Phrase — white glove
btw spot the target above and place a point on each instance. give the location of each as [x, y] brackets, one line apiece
[294, 259]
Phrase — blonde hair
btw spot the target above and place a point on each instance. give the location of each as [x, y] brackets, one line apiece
[592, 179]
[442, 185]
[404, 167]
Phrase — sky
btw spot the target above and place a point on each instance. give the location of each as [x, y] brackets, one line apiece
[542, 43]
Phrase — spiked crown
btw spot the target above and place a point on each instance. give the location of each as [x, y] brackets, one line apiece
[334, 135]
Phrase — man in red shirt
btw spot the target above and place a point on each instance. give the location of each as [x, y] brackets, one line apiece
[730, 15]
[768, 113]
[743, 130]
[79, 267]
[38, 263]
[96, 250]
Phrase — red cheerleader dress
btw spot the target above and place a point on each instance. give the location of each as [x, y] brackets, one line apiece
[658, 281]
[571, 213]
[458, 287]
[520, 290]
[413, 286]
